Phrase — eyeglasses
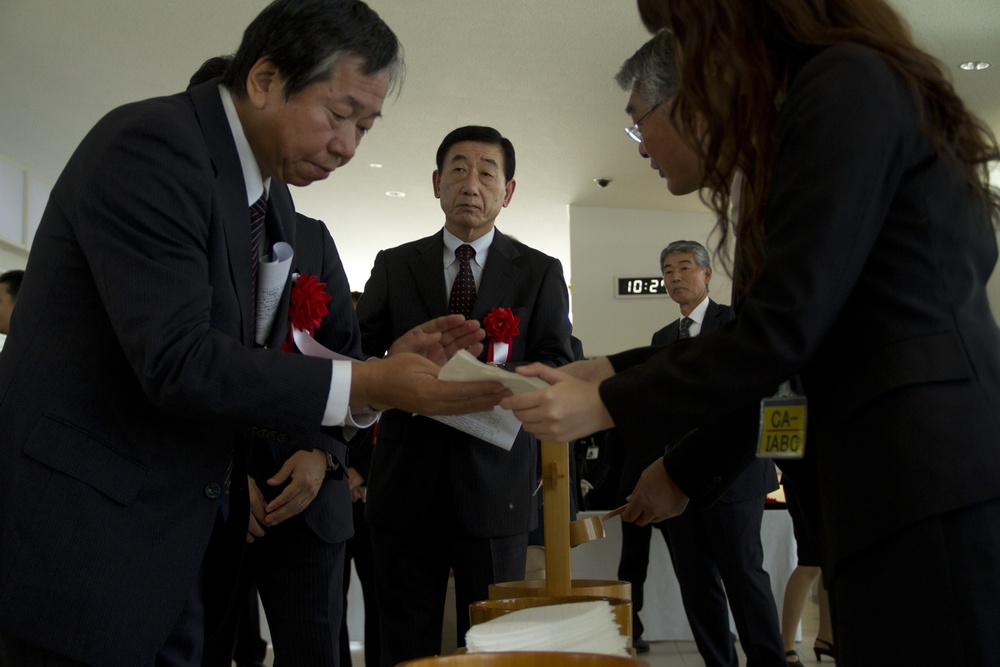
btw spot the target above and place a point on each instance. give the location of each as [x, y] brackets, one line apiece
[634, 132]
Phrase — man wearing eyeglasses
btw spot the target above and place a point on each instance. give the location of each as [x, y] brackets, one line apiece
[715, 549]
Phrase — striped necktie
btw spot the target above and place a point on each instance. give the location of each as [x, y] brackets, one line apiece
[258, 211]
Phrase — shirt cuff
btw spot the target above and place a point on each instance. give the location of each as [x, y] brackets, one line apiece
[338, 408]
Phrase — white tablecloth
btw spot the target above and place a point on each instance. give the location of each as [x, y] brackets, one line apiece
[662, 613]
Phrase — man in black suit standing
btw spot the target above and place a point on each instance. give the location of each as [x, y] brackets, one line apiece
[130, 378]
[438, 498]
[715, 548]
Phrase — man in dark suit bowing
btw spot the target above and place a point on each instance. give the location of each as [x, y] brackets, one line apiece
[130, 380]
[294, 564]
[715, 548]
[438, 498]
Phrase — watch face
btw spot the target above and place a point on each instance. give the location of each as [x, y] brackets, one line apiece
[649, 286]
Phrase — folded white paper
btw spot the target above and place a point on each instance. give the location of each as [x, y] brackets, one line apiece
[272, 277]
[577, 627]
[463, 367]
[498, 427]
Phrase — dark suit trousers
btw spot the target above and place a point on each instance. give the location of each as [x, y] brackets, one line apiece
[250, 647]
[299, 577]
[359, 549]
[717, 555]
[411, 578]
[927, 595]
[633, 563]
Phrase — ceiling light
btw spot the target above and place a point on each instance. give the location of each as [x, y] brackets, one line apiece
[395, 193]
[974, 65]
[375, 165]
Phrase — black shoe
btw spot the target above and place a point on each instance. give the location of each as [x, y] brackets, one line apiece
[640, 645]
[820, 651]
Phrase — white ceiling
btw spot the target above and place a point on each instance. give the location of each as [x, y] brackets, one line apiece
[540, 71]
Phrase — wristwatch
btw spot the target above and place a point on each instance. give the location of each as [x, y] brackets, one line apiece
[331, 463]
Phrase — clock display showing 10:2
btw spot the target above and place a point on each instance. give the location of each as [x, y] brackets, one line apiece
[641, 286]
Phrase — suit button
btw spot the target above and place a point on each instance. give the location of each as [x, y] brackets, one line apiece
[212, 490]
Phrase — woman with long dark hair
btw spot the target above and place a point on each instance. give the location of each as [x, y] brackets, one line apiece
[866, 237]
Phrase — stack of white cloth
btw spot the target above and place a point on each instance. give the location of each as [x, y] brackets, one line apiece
[575, 627]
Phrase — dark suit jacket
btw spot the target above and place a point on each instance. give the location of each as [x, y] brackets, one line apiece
[125, 378]
[329, 514]
[874, 291]
[491, 488]
[758, 479]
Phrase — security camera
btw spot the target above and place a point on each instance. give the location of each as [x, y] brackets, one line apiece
[602, 182]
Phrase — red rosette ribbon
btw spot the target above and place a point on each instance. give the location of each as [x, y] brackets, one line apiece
[500, 325]
[307, 306]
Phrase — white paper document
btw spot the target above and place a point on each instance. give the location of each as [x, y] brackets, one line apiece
[463, 367]
[498, 427]
[272, 276]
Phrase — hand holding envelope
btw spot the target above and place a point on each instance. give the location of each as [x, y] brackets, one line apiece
[498, 426]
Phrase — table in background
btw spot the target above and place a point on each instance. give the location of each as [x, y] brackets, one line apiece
[663, 613]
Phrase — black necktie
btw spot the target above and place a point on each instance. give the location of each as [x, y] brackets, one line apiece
[258, 211]
[463, 290]
[685, 328]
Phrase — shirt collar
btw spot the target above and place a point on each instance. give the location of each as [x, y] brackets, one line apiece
[698, 314]
[251, 170]
[480, 245]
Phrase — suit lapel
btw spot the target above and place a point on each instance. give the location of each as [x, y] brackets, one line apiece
[713, 317]
[498, 276]
[233, 210]
[673, 331]
[427, 272]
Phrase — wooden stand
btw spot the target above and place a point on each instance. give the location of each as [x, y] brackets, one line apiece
[555, 512]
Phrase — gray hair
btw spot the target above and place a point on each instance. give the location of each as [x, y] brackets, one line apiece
[696, 250]
[651, 71]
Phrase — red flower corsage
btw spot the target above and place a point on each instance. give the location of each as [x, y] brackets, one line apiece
[307, 306]
[500, 325]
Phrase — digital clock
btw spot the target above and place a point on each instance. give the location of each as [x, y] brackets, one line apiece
[626, 287]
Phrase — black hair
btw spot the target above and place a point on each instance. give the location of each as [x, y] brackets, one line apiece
[12, 279]
[212, 68]
[305, 38]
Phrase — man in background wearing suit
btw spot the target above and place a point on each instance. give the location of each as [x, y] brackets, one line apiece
[715, 549]
[439, 499]
[130, 378]
[710, 544]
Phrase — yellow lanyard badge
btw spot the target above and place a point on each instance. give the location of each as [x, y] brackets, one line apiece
[782, 425]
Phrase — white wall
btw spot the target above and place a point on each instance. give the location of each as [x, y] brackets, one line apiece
[606, 243]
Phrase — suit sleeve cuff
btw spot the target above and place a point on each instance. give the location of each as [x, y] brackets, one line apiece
[338, 408]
